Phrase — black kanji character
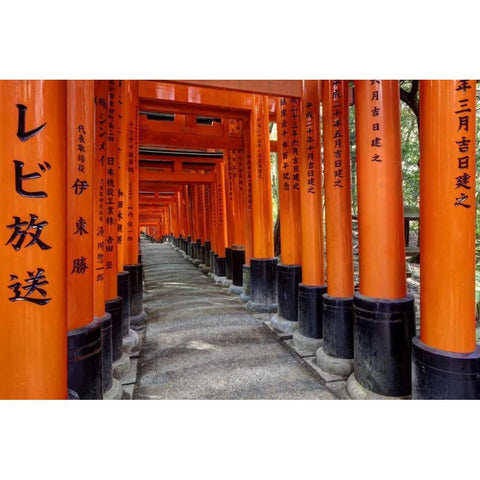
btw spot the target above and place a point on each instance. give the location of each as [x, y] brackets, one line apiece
[463, 181]
[22, 229]
[33, 284]
[80, 224]
[21, 133]
[80, 186]
[19, 178]
[79, 265]
[463, 85]
[460, 201]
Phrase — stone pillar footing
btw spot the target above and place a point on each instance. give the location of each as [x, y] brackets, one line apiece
[283, 324]
[121, 367]
[355, 391]
[302, 342]
[219, 280]
[342, 367]
[115, 392]
[227, 282]
[139, 319]
[235, 289]
[245, 295]
[261, 307]
[131, 343]
[203, 268]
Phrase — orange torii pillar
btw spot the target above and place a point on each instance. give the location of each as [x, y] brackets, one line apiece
[213, 227]
[205, 224]
[384, 317]
[33, 331]
[192, 218]
[336, 353]
[220, 271]
[248, 213]
[186, 222]
[208, 227]
[309, 333]
[183, 218]
[289, 271]
[128, 207]
[446, 357]
[230, 209]
[84, 331]
[112, 388]
[197, 228]
[114, 303]
[238, 248]
[209, 244]
[263, 296]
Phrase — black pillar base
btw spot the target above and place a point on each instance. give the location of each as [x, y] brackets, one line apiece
[310, 310]
[220, 266]
[84, 357]
[228, 263]
[263, 293]
[107, 352]
[123, 289]
[238, 259]
[198, 250]
[136, 293]
[191, 249]
[114, 308]
[441, 375]
[338, 326]
[288, 279]
[208, 245]
[202, 254]
[382, 336]
[212, 262]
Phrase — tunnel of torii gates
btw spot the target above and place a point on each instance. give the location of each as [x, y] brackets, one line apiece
[90, 166]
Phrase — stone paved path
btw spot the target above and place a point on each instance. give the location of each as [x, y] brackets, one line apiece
[201, 343]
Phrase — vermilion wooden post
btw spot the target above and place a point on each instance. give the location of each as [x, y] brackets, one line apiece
[114, 302]
[85, 332]
[111, 388]
[289, 271]
[203, 220]
[263, 286]
[208, 227]
[130, 286]
[312, 288]
[123, 277]
[214, 224]
[197, 229]
[33, 302]
[446, 357]
[338, 301]
[248, 212]
[237, 248]
[230, 209]
[220, 259]
[384, 319]
[188, 199]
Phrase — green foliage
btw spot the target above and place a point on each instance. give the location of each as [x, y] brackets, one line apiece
[410, 156]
